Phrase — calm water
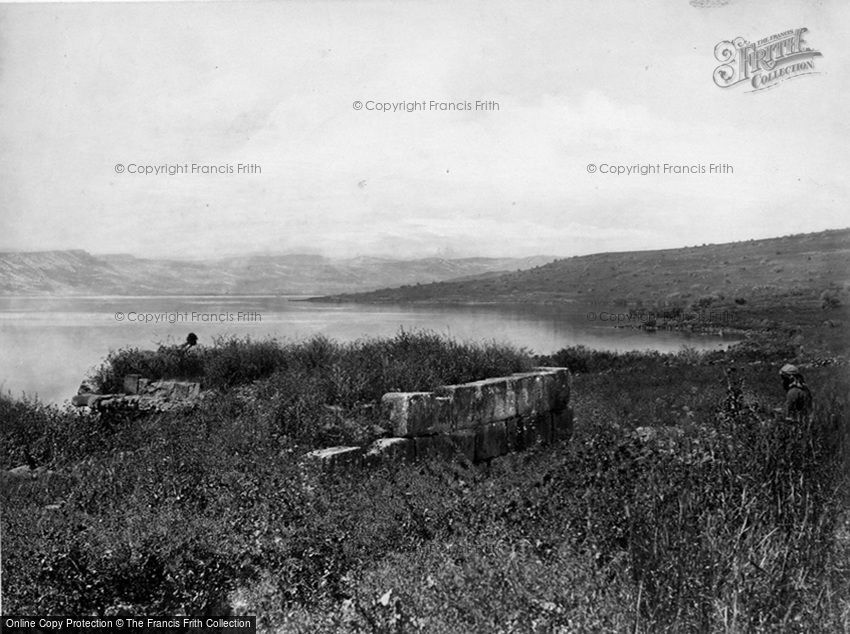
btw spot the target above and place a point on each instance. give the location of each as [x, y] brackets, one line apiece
[47, 345]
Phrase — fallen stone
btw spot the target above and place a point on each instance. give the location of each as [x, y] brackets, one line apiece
[336, 458]
[393, 449]
[23, 473]
[88, 400]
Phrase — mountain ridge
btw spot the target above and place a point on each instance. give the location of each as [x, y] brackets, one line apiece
[77, 272]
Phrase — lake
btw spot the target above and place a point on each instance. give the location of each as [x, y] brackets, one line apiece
[48, 344]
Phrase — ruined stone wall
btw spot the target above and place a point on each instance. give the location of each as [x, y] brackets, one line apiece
[478, 420]
[144, 395]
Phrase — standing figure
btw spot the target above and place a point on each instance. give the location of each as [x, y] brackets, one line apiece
[191, 340]
[798, 396]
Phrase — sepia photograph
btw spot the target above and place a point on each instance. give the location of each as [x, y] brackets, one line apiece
[419, 316]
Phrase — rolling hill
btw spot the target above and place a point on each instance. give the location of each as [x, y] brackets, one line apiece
[804, 266]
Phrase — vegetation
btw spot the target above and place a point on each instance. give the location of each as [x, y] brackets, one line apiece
[407, 362]
[726, 519]
[312, 393]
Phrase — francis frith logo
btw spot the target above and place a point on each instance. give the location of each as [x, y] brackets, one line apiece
[765, 63]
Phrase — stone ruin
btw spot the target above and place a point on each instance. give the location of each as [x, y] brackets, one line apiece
[144, 395]
[477, 421]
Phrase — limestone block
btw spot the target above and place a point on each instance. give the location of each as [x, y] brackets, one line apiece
[473, 404]
[24, 472]
[160, 389]
[513, 436]
[536, 429]
[465, 400]
[336, 458]
[464, 443]
[557, 383]
[530, 393]
[131, 384]
[410, 413]
[187, 389]
[498, 399]
[390, 449]
[86, 400]
[443, 413]
[174, 389]
[491, 441]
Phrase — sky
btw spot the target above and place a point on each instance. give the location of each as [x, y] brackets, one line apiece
[92, 93]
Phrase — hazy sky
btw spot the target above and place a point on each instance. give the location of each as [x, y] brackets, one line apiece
[84, 87]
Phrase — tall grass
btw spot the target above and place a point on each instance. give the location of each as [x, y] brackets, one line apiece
[727, 525]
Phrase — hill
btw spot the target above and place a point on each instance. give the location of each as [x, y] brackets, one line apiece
[80, 273]
[804, 266]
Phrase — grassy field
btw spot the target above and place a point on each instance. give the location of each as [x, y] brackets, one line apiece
[727, 518]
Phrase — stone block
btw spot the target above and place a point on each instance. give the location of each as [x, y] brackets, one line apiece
[513, 435]
[562, 424]
[171, 390]
[498, 398]
[86, 400]
[336, 458]
[390, 449]
[465, 399]
[187, 389]
[439, 446]
[160, 389]
[131, 384]
[536, 429]
[464, 443]
[491, 441]
[472, 404]
[443, 413]
[557, 387]
[530, 396]
[410, 413]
